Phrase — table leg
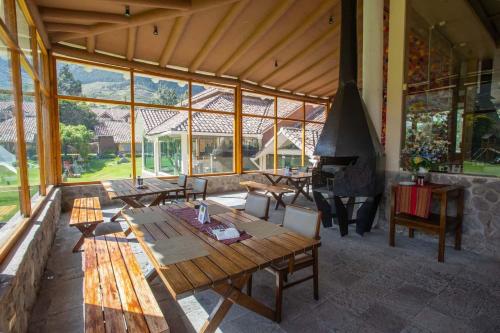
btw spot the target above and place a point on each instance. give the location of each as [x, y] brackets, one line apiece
[231, 294]
[159, 199]
[299, 185]
[87, 231]
[279, 200]
[152, 274]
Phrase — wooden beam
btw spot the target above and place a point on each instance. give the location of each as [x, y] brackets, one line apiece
[66, 27]
[291, 37]
[298, 57]
[320, 62]
[166, 4]
[153, 69]
[147, 17]
[262, 28]
[317, 77]
[217, 34]
[131, 42]
[59, 14]
[173, 39]
[91, 44]
[35, 14]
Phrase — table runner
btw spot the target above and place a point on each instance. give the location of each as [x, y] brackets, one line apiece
[414, 200]
[177, 249]
[190, 215]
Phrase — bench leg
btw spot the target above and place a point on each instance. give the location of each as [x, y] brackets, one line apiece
[152, 274]
[87, 231]
[79, 244]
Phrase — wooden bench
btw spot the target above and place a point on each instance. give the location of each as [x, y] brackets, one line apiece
[116, 294]
[85, 216]
[277, 191]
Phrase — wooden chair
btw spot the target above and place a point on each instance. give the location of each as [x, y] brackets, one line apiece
[257, 205]
[437, 224]
[306, 222]
[199, 188]
[181, 182]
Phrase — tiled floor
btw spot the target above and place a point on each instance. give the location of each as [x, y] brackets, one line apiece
[365, 286]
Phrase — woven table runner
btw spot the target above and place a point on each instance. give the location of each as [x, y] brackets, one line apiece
[177, 249]
[414, 200]
[190, 215]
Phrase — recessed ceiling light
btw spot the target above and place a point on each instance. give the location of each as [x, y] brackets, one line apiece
[127, 11]
[331, 20]
[155, 30]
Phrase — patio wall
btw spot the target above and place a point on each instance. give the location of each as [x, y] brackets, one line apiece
[216, 184]
[20, 277]
[481, 228]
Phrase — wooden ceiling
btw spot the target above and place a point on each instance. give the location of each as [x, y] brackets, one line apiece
[289, 45]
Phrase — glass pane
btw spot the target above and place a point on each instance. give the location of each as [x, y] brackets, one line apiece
[9, 166]
[209, 97]
[30, 133]
[162, 142]
[315, 112]
[92, 81]
[2, 10]
[95, 141]
[212, 143]
[41, 65]
[313, 132]
[258, 138]
[160, 91]
[289, 144]
[288, 108]
[23, 34]
[260, 105]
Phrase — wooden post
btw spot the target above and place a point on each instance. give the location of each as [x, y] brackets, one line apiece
[132, 123]
[190, 130]
[238, 131]
[275, 156]
[303, 157]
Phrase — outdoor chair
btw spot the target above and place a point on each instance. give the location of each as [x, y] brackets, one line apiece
[305, 222]
[257, 205]
[199, 189]
[176, 195]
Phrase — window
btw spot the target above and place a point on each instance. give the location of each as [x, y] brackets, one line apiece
[257, 142]
[315, 112]
[210, 97]
[313, 132]
[92, 82]
[9, 163]
[212, 142]
[291, 109]
[2, 10]
[160, 91]
[24, 34]
[289, 140]
[258, 105]
[95, 141]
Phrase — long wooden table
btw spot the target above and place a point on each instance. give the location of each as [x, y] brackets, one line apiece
[127, 191]
[227, 268]
[297, 179]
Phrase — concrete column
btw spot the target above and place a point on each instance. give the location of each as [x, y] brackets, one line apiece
[395, 83]
[184, 153]
[373, 60]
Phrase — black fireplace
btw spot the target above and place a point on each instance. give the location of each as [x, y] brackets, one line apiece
[350, 172]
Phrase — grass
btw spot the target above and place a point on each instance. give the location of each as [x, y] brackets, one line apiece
[105, 168]
[480, 168]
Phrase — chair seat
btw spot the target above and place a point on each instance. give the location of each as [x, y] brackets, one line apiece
[301, 260]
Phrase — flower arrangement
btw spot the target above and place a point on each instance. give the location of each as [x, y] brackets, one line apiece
[424, 155]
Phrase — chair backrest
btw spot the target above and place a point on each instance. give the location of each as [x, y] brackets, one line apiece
[200, 185]
[181, 181]
[303, 221]
[257, 205]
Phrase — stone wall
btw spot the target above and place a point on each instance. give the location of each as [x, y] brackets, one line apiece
[481, 228]
[20, 275]
[216, 184]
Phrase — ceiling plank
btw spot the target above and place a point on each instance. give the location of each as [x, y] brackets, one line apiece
[147, 17]
[320, 62]
[91, 44]
[131, 42]
[262, 28]
[321, 87]
[72, 52]
[50, 14]
[173, 39]
[217, 34]
[166, 4]
[316, 78]
[66, 27]
[291, 37]
[298, 57]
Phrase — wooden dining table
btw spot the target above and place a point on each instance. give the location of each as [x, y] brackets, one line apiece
[297, 179]
[226, 268]
[127, 191]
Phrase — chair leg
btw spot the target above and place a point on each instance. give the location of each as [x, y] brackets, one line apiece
[315, 274]
[249, 286]
[442, 240]
[279, 295]
[411, 232]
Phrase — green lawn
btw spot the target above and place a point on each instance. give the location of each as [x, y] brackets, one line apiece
[105, 168]
[483, 169]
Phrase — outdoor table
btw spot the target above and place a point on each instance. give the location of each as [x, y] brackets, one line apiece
[297, 179]
[227, 268]
[127, 191]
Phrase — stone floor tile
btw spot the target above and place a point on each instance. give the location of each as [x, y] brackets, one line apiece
[384, 319]
[437, 322]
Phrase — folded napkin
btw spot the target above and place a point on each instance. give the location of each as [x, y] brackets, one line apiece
[228, 233]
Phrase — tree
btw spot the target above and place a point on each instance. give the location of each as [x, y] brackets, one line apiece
[74, 113]
[67, 84]
[76, 138]
[166, 96]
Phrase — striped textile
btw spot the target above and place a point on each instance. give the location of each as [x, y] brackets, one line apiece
[414, 200]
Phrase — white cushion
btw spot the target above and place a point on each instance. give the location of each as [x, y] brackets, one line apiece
[301, 220]
[181, 181]
[199, 185]
[257, 205]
